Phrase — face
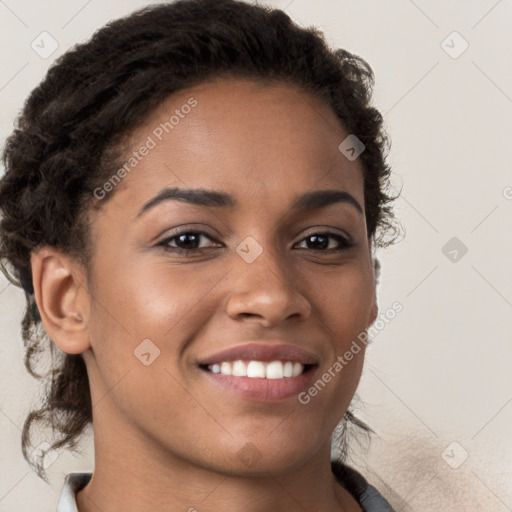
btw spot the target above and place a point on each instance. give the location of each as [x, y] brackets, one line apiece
[253, 271]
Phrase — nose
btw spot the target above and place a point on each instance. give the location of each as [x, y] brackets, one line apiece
[266, 290]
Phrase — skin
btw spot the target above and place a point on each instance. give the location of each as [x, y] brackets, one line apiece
[165, 436]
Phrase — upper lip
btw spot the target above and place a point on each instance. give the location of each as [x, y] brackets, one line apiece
[263, 351]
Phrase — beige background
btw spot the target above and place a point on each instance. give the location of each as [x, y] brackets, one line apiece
[439, 373]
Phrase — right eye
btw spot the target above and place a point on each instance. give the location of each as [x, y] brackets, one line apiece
[186, 242]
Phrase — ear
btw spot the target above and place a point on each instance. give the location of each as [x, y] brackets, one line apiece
[376, 275]
[62, 298]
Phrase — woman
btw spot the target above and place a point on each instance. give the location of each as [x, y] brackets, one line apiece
[192, 203]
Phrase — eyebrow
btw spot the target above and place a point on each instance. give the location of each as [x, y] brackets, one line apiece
[211, 198]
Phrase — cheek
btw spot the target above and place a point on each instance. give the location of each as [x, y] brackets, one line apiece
[344, 302]
[345, 305]
[134, 371]
[142, 319]
[158, 300]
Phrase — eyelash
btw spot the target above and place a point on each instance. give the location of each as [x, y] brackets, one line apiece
[344, 242]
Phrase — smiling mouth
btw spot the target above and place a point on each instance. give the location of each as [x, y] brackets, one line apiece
[259, 369]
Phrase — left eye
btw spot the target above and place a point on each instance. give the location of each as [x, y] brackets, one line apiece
[320, 241]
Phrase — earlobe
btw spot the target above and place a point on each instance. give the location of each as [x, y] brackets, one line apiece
[61, 298]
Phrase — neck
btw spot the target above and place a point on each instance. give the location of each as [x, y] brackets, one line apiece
[132, 474]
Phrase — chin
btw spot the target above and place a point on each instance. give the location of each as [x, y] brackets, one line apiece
[261, 457]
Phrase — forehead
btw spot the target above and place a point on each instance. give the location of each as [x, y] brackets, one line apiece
[240, 136]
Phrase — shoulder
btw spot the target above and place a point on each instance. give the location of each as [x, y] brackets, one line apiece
[368, 497]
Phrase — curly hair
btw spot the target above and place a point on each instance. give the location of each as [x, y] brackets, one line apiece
[70, 134]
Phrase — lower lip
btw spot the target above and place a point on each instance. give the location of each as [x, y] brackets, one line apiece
[263, 390]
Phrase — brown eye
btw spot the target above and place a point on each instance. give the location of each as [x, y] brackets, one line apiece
[185, 241]
[321, 242]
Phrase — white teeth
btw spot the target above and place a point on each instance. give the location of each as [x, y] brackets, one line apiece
[255, 369]
[225, 368]
[258, 369]
[275, 370]
[239, 369]
[297, 369]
